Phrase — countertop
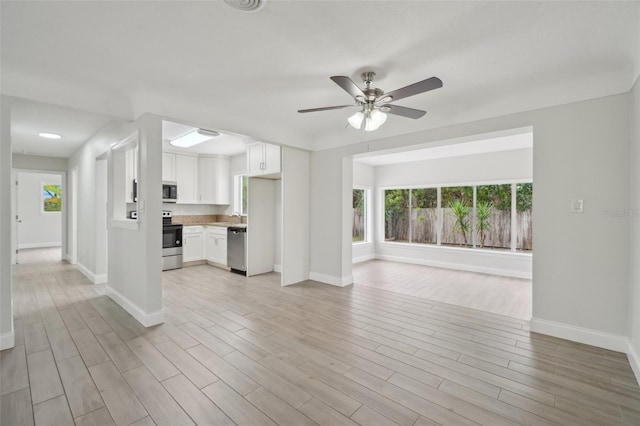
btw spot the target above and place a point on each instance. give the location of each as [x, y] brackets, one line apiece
[222, 224]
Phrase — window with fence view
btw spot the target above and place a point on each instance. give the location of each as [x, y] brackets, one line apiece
[482, 216]
[359, 215]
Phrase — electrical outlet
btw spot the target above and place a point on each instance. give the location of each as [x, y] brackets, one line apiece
[577, 206]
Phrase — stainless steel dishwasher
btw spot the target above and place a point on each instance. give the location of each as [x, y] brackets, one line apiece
[237, 249]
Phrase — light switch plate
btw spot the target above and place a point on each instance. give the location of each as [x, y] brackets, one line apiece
[577, 206]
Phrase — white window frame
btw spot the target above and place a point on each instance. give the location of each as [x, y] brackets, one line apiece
[368, 222]
[237, 193]
[380, 213]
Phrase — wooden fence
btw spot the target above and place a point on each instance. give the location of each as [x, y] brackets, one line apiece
[424, 229]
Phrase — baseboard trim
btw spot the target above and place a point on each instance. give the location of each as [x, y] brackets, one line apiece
[331, 279]
[38, 245]
[146, 319]
[634, 360]
[363, 258]
[613, 342]
[457, 266]
[8, 340]
[86, 272]
[101, 279]
[277, 268]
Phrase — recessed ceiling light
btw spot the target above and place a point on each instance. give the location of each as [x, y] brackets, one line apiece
[48, 135]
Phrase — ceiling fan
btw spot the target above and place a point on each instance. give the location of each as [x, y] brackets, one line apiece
[374, 104]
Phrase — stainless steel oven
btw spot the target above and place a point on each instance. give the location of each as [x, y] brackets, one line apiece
[171, 243]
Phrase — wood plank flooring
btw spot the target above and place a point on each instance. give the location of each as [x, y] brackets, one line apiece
[490, 293]
[247, 352]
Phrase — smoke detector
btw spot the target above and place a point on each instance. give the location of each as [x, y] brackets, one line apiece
[246, 5]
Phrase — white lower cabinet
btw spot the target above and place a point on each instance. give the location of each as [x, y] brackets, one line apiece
[192, 243]
[216, 244]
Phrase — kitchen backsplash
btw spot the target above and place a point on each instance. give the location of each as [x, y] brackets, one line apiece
[203, 219]
[194, 209]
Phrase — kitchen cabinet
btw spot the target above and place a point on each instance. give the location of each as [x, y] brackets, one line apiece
[214, 180]
[168, 167]
[216, 244]
[263, 159]
[192, 243]
[187, 178]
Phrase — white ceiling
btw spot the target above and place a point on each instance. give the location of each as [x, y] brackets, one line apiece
[454, 149]
[224, 144]
[248, 73]
[30, 118]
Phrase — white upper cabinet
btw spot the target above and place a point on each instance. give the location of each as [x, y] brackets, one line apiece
[168, 167]
[187, 178]
[214, 180]
[263, 159]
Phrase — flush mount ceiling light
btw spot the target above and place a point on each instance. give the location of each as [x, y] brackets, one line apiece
[193, 138]
[246, 5]
[49, 135]
[374, 103]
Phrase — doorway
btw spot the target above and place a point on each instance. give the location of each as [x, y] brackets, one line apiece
[38, 207]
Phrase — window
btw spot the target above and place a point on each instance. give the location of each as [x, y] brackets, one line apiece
[524, 198]
[396, 215]
[240, 184]
[424, 215]
[457, 217]
[493, 216]
[483, 216]
[359, 229]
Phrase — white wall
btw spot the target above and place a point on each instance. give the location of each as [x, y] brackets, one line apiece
[581, 266]
[37, 228]
[295, 216]
[7, 337]
[633, 215]
[135, 254]
[488, 167]
[364, 178]
[102, 247]
[37, 162]
[479, 168]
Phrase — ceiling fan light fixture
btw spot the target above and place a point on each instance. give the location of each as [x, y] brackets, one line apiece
[194, 138]
[356, 120]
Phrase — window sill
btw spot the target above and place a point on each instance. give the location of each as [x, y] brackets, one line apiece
[360, 243]
[469, 250]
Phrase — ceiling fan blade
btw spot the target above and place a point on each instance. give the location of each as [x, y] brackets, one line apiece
[414, 89]
[348, 85]
[404, 111]
[324, 108]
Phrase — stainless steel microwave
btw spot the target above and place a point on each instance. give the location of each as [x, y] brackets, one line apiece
[169, 192]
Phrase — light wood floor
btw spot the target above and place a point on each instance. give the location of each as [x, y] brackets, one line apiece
[245, 351]
[489, 293]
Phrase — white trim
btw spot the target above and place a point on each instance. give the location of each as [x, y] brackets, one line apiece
[86, 272]
[587, 336]
[634, 360]
[38, 245]
[364, 258]
[331, 279]
[100, 279]
[8, 340]
[125, 223]
[277, 268]
[457, 266]
[146, 319]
